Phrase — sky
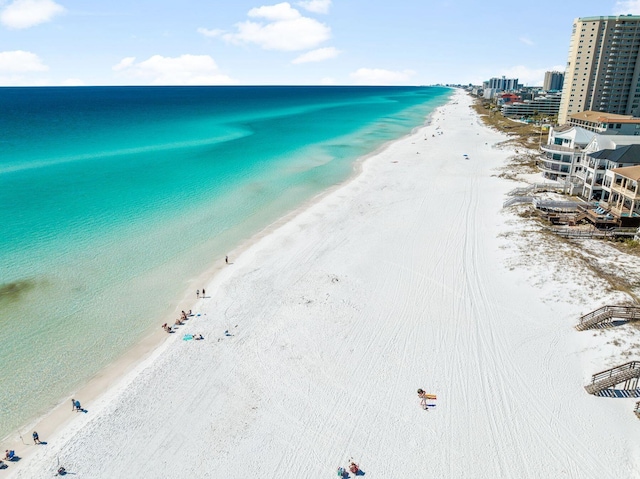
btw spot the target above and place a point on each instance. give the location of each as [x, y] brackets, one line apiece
[300, 42]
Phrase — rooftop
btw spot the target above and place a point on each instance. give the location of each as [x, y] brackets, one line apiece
[612, 17]
[624, 154]
[601, 117]
[632, 172]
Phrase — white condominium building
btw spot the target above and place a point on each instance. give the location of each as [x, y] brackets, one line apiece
[603, 71]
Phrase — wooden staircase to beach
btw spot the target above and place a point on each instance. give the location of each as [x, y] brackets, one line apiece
[626, 374]
[607, 314]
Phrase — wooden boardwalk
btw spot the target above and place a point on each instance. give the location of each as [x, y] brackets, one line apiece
[568, 232]
[626, 374]
[606, 314]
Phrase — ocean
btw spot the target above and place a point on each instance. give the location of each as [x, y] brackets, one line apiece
[113, 200]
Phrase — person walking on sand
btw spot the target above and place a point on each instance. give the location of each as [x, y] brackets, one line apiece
[36, 438]
[226, 259]
[203, 292]
[198, 293]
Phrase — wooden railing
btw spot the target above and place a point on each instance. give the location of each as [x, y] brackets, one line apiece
[606, 314]
[627, 373]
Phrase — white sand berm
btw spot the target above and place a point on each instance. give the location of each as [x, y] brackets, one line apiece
[397, 280]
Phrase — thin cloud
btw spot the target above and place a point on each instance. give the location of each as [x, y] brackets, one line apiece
[526, 41]
[279, 27]
[72, 82]
[210, 33]
[316, 6]
[378, 76]
[123, 64]
[280, 11]
[19, 61]
[319, 55]
[627, 6]
[182, 70]
[21, 68]
[21, 14]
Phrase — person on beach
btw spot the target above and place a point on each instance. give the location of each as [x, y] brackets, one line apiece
[423, 398]
[73, 404]
[36, 438]
[178, 322]
[76, 405]
[166, 327]
[203, 292]
[226, 259]
[198, 293]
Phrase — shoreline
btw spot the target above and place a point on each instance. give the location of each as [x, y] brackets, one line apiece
[110, 377]
[408, 276]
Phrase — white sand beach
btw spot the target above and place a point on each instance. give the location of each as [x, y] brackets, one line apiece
[408, 276]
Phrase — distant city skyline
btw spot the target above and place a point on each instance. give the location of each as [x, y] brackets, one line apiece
[304, 42]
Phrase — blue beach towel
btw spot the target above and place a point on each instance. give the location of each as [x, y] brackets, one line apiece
[187, 337]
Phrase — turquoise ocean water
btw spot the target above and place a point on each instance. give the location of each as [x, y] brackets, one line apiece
[113, 199]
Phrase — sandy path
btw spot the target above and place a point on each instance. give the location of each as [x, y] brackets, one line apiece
[397, 280]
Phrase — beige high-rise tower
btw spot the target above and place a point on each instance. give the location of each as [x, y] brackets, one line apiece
[603, 70]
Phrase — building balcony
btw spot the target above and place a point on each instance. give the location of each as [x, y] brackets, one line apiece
[625, 192]
[582, 176]
[554, 167]
[559, 149]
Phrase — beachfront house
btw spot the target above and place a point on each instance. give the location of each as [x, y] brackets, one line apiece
[563, 152]
[570, 155]
[596, 164]
[621, 196]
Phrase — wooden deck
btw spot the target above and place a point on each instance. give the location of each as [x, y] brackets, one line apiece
[599, 219]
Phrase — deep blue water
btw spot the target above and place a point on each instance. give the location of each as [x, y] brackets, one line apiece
[113, 199]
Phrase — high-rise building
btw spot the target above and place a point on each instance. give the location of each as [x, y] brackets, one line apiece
[504, 84]
[602, 70]
[553, 81]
